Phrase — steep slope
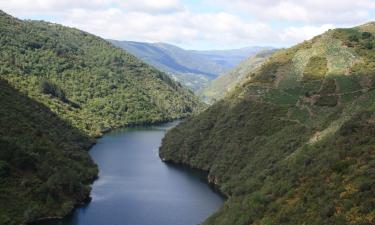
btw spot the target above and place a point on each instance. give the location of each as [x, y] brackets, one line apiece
[192, 68]
[44, 166]
[86, 80]
[60, 88]
[294, 144]
[217, 88]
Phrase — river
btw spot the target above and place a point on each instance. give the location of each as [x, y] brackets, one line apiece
[136, 188]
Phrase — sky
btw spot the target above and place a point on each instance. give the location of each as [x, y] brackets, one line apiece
[204, 24]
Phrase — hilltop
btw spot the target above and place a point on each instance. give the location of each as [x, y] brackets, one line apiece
[294, 143]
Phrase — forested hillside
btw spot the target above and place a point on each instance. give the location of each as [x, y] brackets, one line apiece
[59, 88]
[86, 80]
[294, 144]
[217, 88]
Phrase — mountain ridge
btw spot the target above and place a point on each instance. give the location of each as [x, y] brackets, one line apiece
[192, 68]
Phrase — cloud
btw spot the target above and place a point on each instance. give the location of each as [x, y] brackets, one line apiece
[181, 27]
[231, 24]
[296, 34]
[54, 6]
[311, 11]
[28, 7]
[158, 7]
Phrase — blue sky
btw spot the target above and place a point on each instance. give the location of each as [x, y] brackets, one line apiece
[200, 24]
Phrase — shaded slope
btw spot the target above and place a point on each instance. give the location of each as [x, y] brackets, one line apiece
[44, 166]
[294, 143]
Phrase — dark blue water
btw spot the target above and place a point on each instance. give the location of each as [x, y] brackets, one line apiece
[136, 188]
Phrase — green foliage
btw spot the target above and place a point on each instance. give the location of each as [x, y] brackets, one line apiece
[86, 80]
[297, 153]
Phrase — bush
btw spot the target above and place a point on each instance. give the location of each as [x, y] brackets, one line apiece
[49, 88]
[366, 35]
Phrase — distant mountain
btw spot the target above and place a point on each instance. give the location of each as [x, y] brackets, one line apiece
[295, 142]
[192, 68]
[232, 57]
[217, 88]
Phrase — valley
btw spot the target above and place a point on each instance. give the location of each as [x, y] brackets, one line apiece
[192, 68]
[94, 130]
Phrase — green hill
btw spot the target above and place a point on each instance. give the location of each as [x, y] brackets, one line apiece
[294, 144]
[59, 88]
[217, 88]
[103, 86]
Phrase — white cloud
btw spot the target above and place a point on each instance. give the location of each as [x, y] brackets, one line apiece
[311, 11]
[296, 34]
[29, 7]
[54, 6]
[182, 27]
[158, 7]
[172, 21]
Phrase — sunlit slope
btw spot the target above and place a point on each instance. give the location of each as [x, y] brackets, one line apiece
[294, 144]
[94, 85]
[217, 88]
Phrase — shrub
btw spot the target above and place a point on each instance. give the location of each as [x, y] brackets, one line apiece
[49, 88]
[366, 35]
